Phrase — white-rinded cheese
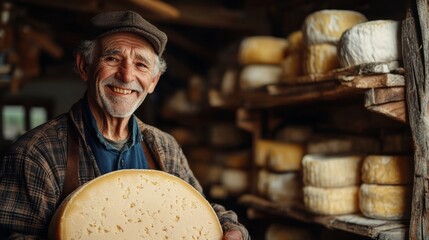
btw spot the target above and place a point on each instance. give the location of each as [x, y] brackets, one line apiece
[296, 42]
[370, 42]
[262, 49]
[320, 58]
[234, 181]
[135, 204]
[277, 231]
[384, 169]
[331, 171]
[385, 201]
[293, 65]
[326, 26]
[254, 76]
[332, 201]
[278, 156]
[284, 187]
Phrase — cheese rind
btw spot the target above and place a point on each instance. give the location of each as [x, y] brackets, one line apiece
[256, 75]
[135, 204]
[327, 26]
[332, 201]
[384, 169]
[284, 187]
[293, 65]
[296, 42]
[320, 58]
[390, 202]
[278, 156]
[370, 42]
[331, 171]
[262, 50]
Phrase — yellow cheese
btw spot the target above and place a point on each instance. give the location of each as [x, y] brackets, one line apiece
[391, 202]
[262, 49]
[295, 42]
[332, 201]
[379, 169]
[292, 65]
[320, 58]
[331, 170]
[327, 26]
[135, 204]
[278, 156]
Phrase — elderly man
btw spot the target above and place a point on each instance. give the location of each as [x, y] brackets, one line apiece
[121, 64]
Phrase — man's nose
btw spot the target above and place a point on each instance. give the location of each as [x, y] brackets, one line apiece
[126, 71]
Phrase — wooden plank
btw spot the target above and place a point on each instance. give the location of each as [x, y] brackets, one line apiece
[375, 81]
[395, 234]
[393, 110]
[376, 96]
[369, 69]
[415, 57]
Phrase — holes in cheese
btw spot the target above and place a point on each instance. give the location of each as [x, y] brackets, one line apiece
[135, 204]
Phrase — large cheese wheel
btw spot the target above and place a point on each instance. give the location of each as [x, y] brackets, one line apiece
[295, 42]
[370, 42]
[284, 187]
[327, 26]
[320, 58]
[389, 202]
[255, 76]
[262, 49]
[332, 201]
[135, 204]
[384, 169]
[331, 171]
[278, 156]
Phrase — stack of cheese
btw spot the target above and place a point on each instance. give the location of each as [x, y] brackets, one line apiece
[322, 31]
[331, 183]
[261, 57]
[370, 42]
[386, 189]
[292, 64]
[279, 163]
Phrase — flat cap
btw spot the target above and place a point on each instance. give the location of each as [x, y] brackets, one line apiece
[127, 21]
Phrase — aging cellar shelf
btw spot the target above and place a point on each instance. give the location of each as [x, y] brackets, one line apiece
[354, 223]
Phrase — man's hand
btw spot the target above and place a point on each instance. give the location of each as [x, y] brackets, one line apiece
[233, 235]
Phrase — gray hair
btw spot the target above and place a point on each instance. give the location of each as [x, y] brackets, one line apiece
[87, 49]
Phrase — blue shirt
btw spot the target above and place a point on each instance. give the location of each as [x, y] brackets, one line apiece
[108, 158]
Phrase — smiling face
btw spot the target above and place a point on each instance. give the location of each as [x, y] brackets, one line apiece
[122, 75]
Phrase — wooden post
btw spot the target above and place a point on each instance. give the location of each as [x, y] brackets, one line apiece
[415, 47]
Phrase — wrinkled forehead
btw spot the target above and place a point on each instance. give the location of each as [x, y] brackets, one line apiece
[126, 44]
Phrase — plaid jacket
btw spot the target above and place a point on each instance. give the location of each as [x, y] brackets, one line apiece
[32, 175]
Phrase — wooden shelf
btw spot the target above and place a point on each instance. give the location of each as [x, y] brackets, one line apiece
[355, 223]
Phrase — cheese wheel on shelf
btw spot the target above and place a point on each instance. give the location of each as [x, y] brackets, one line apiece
[295, 42]
[390, 202]
[256, 75]
[292, 65]
[370, 42]
[278, 156]
[327, 26]
[284, 187]
[331, 171]
[262, 50]
[235, 181]
[384, 169]
[135, 204]
[331, 201]
[320, 58]
[263, 179]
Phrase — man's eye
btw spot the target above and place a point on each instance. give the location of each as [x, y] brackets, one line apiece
[111, 59]
[140, 65]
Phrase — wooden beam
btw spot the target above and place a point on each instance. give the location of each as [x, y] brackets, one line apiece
[375, 81]
[415, 54]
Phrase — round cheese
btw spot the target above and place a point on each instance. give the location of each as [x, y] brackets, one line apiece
[370, 42]
[292, 65]
[255, 76]
[390, 202]
[284, 187]
[278, 156]
[327, 26]
[135, 204]
[384, 169]
[332, 201]
[262, 49]
[331, 171]
[320, 58]
[295, 42]
[234, 181]
[263, 178]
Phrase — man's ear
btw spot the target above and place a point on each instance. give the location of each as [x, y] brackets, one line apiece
[82, 67]
[152, 84]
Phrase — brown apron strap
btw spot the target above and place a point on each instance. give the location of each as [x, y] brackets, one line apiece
[71, 179]
[149, 157]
